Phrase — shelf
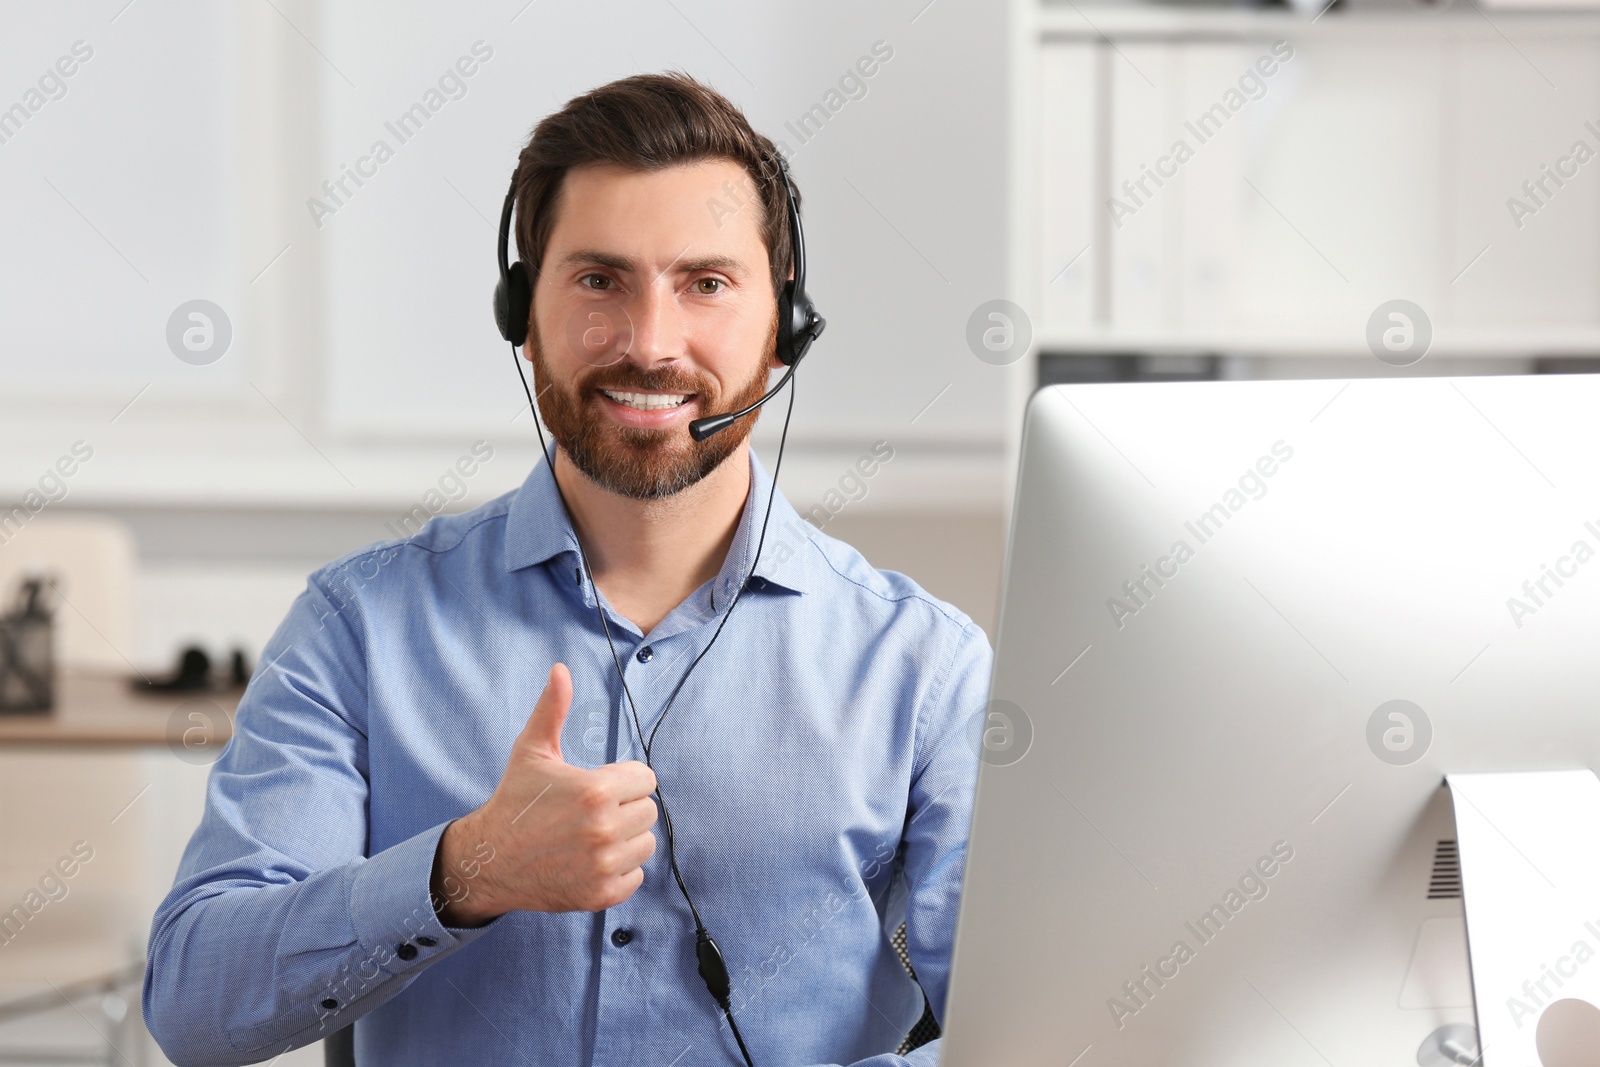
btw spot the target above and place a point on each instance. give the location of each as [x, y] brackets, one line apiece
[1506, 344]
[1075, 22]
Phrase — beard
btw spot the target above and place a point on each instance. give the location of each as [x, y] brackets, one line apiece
[638, 463]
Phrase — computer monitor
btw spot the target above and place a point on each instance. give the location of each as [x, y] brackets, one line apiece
[1247, 629]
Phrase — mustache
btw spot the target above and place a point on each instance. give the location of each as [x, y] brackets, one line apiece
[656, 379]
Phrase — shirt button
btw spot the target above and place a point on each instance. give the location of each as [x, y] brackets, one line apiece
[406, 950]
[427, 942]
[645, 654]
[330, 1003]
[621, 937]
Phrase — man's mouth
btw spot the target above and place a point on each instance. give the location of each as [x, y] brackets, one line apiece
[647, 401]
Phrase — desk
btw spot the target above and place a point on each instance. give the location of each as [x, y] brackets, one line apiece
[101, 709]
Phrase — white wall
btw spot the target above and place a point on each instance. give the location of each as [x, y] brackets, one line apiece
[363, 357]
[179, 164]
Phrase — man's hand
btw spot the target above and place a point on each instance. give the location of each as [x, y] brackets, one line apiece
[558, 837]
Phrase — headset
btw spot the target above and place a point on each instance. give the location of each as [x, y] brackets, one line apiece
[799, 324]
[798, 321]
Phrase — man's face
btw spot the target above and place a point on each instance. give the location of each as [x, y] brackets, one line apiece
[654, 308]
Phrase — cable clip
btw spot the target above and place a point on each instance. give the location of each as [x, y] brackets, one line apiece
[712, 968]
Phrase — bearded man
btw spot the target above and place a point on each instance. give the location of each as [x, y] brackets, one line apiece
[392, 840]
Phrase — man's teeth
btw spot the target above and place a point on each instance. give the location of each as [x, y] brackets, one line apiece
[646, 401]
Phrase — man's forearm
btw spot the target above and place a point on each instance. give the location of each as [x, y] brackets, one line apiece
[460, 887]
[239, 973]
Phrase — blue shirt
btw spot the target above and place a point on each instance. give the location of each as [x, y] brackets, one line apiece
[818, 767]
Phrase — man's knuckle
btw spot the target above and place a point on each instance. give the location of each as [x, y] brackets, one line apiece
[596, 864]
[613, 860]
[592, 795]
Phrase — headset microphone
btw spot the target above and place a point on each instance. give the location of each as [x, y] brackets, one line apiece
[700, 429]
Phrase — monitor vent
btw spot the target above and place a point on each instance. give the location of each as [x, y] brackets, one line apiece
[1445, 882]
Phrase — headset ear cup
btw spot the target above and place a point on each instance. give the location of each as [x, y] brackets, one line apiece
[521, 300]
[513, 300]
[786, 335]
[501, 315]
[805, 327]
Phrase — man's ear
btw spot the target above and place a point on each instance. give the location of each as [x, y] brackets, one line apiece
[527, 338]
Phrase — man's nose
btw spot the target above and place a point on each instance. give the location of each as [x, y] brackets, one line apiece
[658, 324]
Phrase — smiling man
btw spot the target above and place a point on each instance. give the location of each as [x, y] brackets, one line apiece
[392, 839]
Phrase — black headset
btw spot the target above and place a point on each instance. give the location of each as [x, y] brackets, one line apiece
[798, 321]
[798, 325]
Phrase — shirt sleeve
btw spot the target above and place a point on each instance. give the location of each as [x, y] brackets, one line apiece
[938, 820]
[279, 928]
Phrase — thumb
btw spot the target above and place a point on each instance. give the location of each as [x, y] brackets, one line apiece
[542, 735]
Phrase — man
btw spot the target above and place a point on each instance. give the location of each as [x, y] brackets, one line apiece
[391, 837]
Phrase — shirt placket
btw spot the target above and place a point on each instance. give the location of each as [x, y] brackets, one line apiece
[636, 940]
[639, 938]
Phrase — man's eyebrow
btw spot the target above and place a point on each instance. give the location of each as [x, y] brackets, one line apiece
[694, 264]
[728, 264]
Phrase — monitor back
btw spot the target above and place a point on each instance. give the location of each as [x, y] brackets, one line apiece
[1246, 629]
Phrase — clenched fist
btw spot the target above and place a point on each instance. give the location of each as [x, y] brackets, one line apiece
[559, 838]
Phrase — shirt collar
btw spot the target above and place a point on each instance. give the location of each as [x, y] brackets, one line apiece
[538, 530]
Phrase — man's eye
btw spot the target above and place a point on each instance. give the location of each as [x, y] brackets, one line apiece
[710, 281]
[602, 278]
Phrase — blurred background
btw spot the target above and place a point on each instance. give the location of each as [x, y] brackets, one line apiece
[241, 340]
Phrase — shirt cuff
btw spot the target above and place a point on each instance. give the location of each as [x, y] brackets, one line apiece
[391, 907]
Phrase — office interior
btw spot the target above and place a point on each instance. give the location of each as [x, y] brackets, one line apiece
[999, 195]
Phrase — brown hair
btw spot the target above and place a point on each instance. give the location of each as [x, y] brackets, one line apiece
[645, 122]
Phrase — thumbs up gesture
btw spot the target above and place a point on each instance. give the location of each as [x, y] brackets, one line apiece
[558, 837]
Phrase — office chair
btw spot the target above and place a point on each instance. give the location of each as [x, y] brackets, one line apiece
[927, 1027]
[339, 1048]
[83, 948]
